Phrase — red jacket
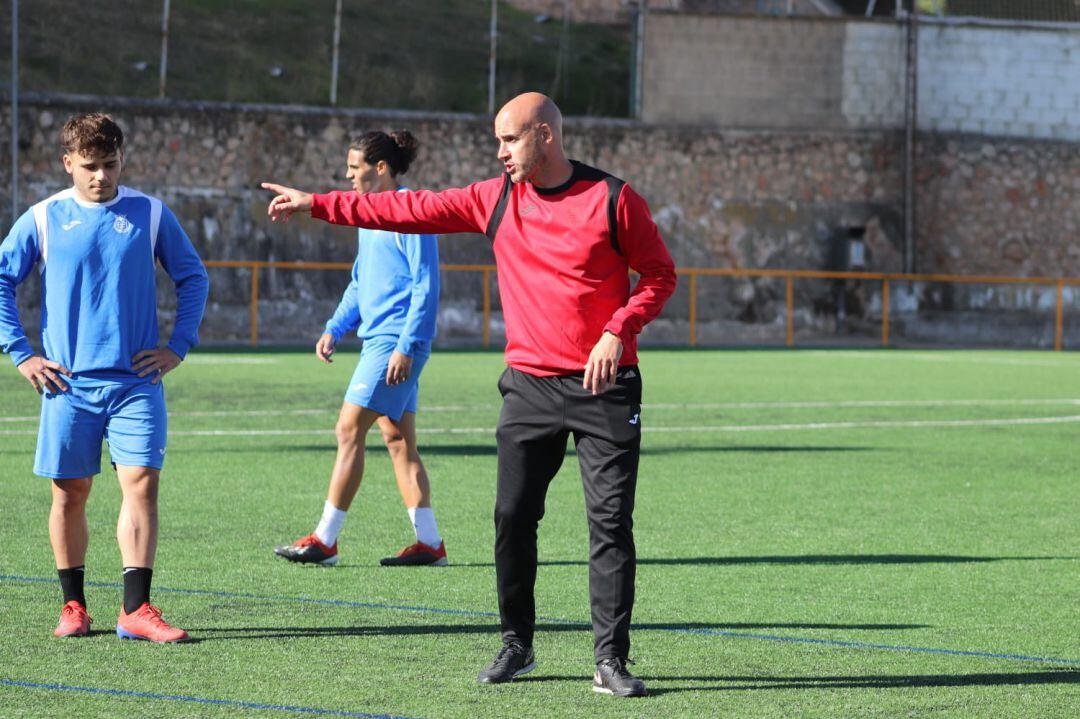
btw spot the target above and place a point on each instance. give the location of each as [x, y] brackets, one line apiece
[561, 281]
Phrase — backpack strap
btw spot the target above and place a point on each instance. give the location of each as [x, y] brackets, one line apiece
[500, 208]
[614, 187]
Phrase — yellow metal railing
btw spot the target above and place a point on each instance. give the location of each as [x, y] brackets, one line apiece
[692, 273]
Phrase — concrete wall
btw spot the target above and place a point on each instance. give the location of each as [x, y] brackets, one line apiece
[750, 199]
[827, 73]
[1000, 81]
[743, 72]
[620, 10]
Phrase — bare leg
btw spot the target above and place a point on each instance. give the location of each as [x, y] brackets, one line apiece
[352, 428]
[412, 479]
[68, 530]
[137, 526]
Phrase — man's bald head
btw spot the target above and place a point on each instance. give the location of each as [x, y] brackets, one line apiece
[529, 130]
[534, 108]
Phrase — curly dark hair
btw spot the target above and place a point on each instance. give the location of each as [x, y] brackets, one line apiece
[397, 149]
[92, 134]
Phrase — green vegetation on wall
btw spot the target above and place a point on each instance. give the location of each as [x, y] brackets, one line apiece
[408, 54]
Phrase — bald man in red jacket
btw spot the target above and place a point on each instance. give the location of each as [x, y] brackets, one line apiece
[565, 236]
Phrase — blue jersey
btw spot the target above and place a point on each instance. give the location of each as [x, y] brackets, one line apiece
[394, 291]
[98, 290]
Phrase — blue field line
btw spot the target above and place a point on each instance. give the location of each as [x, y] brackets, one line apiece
[198, 700]
[555, 620]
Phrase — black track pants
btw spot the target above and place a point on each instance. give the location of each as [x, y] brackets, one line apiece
[538, 416]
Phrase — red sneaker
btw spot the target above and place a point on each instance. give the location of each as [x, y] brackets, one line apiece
[74, 621]
[146, 623]
[309, 550]
[417, 555]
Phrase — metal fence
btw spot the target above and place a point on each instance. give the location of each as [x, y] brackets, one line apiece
[435, 55]
[690, 315]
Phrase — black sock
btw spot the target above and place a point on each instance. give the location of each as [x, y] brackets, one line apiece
[71, 583]
[136, 587]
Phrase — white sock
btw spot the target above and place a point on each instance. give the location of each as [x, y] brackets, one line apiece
[423, 522]
[330, 524]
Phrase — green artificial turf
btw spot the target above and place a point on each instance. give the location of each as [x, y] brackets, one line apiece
[820, 534]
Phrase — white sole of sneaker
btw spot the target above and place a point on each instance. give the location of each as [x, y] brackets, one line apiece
[605, 690]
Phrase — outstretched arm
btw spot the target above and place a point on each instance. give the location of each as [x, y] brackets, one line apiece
[463, 209]
[287, 201]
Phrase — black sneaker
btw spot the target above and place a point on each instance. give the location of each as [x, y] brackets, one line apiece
[612, 678]
[513, 660]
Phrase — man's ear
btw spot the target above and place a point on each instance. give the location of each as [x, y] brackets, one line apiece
[68, 165]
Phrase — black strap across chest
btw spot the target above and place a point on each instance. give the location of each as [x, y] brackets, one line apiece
[614, 187]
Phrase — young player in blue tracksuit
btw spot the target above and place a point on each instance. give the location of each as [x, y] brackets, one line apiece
[391, 302]
[96, 246]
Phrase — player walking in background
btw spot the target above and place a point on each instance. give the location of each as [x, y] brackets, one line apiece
[392, 302]
[565, 237]
[96, 246]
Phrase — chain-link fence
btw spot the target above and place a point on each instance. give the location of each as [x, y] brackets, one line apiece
[406, 54]
[409, 54]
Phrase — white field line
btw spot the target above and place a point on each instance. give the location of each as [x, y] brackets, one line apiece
[211, 360]
[969, 358]
[943, 423]
[842, 404]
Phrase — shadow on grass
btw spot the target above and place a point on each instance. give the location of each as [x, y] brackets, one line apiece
[845, 559]
[757, 683]
[109, 634]
[799, 559]
[490, 450]
[232, 633]
[736, 626]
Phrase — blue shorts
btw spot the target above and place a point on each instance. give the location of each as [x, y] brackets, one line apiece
[129, 416]
[368, 387]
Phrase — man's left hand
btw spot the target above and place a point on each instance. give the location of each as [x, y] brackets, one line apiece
[399, 368]
[603, 363]
[158, 362]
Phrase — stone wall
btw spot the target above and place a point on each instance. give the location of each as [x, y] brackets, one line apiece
[803, 72]
[746, 199]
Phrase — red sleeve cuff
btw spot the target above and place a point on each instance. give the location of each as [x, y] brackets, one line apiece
[618, 328]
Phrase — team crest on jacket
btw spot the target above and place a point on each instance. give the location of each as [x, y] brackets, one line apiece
[122, 225]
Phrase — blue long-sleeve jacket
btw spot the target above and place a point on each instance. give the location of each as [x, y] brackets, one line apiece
[98, 289]
[394, 291]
